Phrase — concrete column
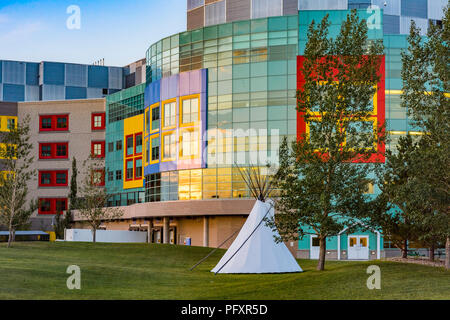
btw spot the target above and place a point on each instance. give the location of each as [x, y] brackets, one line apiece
[206, 231]
[339, 246]
[166, 233]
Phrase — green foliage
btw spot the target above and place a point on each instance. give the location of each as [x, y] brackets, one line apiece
[426, 73]
[322, 191]
[16, 157]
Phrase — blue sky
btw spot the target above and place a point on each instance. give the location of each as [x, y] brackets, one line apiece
[118, 30]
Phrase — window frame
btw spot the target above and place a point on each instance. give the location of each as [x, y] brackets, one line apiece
[53, 178]
[53, 150]
[102, 145]
[52, 205]
[103, 121]
[126, 170]
[192, 123]
[54, 122]
[163, 113]
[135, 169]
[151, 161]
[135, 143]
[102, 180]
[163, 158]
[154, 106]
[126, 145]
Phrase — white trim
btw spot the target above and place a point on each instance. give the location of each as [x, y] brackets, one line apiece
[339, 246]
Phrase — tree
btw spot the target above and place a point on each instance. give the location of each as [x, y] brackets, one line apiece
[397, 200]
[72, 195]
[15, 152]
[92, 203]
[426, 73]
[322, 190]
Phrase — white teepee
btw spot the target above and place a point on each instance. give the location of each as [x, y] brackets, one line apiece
[257, 252]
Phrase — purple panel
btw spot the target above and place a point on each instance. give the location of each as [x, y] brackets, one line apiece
[184, 84]
[165, 89]
[195, 82]
[173, 86]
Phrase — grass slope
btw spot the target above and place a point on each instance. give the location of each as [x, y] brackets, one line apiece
[37, 270]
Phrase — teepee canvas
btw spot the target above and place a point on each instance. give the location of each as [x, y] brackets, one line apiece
[255, 250]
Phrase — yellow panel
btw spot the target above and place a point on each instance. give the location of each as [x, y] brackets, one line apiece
[132, 126]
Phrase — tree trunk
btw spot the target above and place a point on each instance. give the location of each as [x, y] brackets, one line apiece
[447, 253]
[405, 249]
[94, 234]
[322, 252]
[10, 237]
[431, 254]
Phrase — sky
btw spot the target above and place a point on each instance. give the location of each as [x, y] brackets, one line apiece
[120, 31]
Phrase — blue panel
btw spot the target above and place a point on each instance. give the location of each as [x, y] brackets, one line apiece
[54, 73]
[1, 74]
[98, 77]
[14, 72]
[76, 93]
[13, 92]
[415, 8]
[32, 70]
[391, 24]
[152, 93]
[76, 75]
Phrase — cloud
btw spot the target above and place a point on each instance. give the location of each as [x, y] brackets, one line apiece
[23, 30]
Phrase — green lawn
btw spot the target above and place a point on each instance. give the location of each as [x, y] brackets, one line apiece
[37, 270]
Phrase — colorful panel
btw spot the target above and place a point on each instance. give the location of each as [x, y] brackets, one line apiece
[175, 122]
[377, 116]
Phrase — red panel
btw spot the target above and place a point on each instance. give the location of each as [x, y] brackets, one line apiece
[379, 157]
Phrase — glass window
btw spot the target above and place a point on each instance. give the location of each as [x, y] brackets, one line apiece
[97, 149]
[119, 145]
[190, 110]
[47, 123]
[118, 174]
[170, 146]
[61, 150]
[111, 147]
[61, 123]
[138, 169]
[189, 146]
[61, 178]
[155, 118]
[46, 178]
[44, 205]
[11, 124]
[130, 148]
[130, 170]
[98, 121]
[155, 149]
[138, 143]
[46, 150]
[170, 114]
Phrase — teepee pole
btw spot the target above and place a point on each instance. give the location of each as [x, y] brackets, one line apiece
[215, 249]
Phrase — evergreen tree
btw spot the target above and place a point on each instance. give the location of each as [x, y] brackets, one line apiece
[15, 152]
[426, 87]
[321, 190]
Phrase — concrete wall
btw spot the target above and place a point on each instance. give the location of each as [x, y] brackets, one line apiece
[79, 137]
[111, 236]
